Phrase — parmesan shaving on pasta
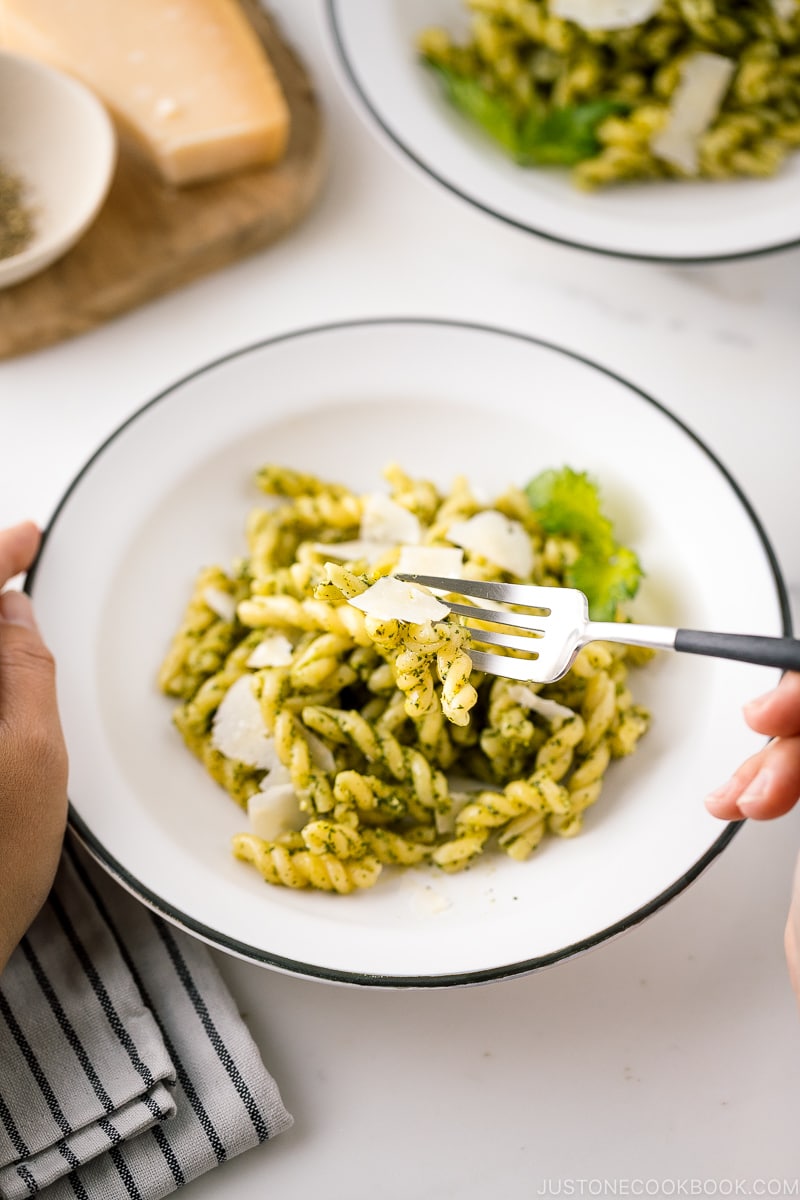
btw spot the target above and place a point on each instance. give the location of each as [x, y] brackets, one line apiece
[500, 539]
[274, 651]
[605, 14]
[705, 79]
[321, 755]
[384, 525]
[238, 730]
[274, 809]
[551, 710]
[384, 520]
[354, 549]
[275, 776]
[446, 821]
[431, 560]
[784, 9]
[389, 599]
[220, 602]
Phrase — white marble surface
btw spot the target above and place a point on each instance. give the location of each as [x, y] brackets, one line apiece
[666, 1062]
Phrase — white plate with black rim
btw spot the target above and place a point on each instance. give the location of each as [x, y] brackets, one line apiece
[692, 221]
[169, 492]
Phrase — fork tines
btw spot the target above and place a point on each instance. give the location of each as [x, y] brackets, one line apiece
[521, 594]
[526, 595]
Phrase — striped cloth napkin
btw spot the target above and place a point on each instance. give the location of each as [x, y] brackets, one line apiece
[125, 1069]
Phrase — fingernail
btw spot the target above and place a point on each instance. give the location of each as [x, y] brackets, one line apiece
[754, 795]
[721, 794]
[758, 702]
[16, 609]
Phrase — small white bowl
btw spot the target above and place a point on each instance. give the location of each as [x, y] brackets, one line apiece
[57, 137]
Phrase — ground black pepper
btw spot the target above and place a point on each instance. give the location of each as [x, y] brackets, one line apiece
[16, 220]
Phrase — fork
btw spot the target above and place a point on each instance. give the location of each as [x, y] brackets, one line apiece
[557, 625]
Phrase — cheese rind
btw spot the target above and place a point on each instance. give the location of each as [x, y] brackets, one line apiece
[187, 81]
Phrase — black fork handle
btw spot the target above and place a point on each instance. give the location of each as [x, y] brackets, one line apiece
[783, 652]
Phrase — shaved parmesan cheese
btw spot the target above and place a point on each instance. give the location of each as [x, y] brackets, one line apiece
[705, 79]
[390, 599]
[238, 730]
[274, 651]
[549, 709]
[276, 775]
[446, 821]
[384, 525]
[220, 602]
[500, 539]
[605, 14]
[321, 755]
[354, 549]
[784, 9]
[384, 520]
[274, 811]
[431, 560]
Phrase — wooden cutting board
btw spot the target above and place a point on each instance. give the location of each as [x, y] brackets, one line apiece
[150, 238]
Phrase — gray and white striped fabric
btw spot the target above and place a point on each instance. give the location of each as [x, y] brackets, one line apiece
[125, 1069]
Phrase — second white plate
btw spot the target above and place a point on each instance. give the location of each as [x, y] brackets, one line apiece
[676, 222]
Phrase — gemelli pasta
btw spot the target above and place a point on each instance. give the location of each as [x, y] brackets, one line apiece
[683, 88]
[339, 707]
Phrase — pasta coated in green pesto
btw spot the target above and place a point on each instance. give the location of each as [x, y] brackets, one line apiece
[362, 728]
[552, 92]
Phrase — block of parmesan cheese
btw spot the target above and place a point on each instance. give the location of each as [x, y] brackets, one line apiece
[187, 81]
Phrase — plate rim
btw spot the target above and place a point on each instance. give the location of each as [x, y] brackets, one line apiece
[263, 958]
[398, 143]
